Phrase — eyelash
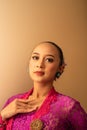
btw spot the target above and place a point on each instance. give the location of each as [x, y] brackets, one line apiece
[47, 59]
[35, 57]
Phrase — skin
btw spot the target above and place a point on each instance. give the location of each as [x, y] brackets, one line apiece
[43, 65]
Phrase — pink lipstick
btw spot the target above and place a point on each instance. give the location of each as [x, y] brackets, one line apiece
[39, 73]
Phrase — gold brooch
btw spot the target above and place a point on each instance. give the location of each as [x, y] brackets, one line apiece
[36, 124]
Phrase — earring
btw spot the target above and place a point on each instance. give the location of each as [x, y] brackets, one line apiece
[58, 74]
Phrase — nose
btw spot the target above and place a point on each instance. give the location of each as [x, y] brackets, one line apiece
[40, 64]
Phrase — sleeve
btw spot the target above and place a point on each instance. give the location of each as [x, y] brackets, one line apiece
[12, 98]
[2, 124]
[78, 117]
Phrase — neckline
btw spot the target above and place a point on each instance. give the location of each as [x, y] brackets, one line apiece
[45, 106]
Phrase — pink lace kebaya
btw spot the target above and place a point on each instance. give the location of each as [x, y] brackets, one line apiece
[58, 112]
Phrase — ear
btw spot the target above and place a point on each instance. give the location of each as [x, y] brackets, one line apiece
[61, 68]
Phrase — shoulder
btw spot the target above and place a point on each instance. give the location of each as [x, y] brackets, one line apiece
[17, 96]
[69, 105]
[66, 101]
[65, 98]
[73, 111]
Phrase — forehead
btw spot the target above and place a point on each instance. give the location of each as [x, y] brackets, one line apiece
[46, 48]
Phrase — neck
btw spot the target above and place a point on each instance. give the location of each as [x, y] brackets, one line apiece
[41, 90]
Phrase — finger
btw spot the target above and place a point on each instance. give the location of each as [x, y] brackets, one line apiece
[28, 109]
[25, 100]
[22, 105]
[26, 103]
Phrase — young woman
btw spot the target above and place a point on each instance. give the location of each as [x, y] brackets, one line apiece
[43, 108]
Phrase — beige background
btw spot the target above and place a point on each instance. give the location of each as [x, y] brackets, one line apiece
[24, 23]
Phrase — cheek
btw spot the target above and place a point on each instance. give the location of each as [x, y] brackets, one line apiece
[31, 67]
[53, 68]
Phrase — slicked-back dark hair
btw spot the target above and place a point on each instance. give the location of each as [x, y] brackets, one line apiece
[59, 51]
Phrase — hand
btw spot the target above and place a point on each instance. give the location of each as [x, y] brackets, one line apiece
[18, 106]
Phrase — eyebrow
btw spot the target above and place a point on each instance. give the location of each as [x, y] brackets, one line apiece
[46, 55]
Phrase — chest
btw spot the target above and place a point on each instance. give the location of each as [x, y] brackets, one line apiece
[55, 119]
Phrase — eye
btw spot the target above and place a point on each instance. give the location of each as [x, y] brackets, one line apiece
[49, 60]
[35, 57]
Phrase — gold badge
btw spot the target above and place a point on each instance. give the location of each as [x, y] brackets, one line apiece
[36, 124]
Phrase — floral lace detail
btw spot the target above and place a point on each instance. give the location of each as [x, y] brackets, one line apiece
[58, 112]
[46, 104]
[21, 121]
[44, 109]
[52, 122]
[52, 97]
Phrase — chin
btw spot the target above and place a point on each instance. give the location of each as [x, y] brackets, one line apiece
[41, 79]
[38, 80]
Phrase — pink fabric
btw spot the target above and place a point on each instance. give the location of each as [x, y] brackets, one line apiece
[58, 112]
[1, 122]
[10, 121]
[46, 104]
[43, 110]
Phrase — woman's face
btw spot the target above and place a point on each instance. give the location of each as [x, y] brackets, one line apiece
[44, 63]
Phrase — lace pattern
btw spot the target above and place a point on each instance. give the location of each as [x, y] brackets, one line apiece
[58, 112]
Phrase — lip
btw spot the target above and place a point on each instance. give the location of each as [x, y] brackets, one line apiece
[39, 73]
